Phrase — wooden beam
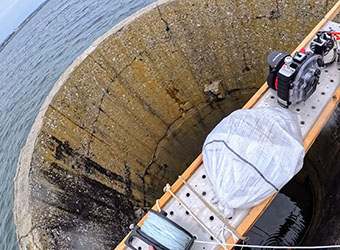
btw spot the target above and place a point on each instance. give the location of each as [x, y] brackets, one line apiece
[321, 121]
[256, 97]
[258, 210]
[251, 218]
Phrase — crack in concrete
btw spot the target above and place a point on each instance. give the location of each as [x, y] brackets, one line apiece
[92, 135]
[106, 92]
[117, 73]
[123, 128]
[231, 91]
[129, 64]
[167, 26]
[35, 244]
[153, 160]
[246, 67]
[26, 235]
[274, 14]
[103, 68]
[88, 132]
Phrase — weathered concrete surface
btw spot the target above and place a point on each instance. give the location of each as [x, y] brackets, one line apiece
[131, 113]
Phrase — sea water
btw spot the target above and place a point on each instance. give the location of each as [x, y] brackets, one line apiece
[31, 64]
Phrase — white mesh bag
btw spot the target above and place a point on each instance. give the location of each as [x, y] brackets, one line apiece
[251, 154]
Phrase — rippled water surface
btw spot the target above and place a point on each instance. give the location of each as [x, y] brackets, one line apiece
[31, 64]
[286, 221]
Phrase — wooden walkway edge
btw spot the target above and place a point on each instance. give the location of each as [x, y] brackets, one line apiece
[258, 210]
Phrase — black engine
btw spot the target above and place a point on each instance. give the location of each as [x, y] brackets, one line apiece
[296, 77]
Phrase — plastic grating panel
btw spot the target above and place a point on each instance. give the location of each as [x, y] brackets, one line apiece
[178, 214]
[308, 113]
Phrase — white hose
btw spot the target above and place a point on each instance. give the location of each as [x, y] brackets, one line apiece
[271, 247]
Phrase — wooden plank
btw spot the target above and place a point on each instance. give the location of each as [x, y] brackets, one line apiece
[323, 118]
[257, 211]
[256, 97]
[251, 218]
[122, 245]
[333, 12]
[177, 185]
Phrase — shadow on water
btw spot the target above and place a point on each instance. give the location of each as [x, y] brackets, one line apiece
[287, 220]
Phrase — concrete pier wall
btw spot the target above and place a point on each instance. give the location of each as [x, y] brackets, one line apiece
[132, 112]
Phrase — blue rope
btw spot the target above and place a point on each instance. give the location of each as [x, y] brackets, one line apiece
[165, 233]
[173, 238]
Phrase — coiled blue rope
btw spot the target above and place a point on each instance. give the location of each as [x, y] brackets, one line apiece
[165, 232]
[174, 238]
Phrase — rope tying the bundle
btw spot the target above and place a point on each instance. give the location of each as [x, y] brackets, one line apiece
[167, 188]
[173, 238]
[233, 232]
[158, 206]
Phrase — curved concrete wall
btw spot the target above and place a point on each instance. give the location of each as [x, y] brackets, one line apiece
[131, 113]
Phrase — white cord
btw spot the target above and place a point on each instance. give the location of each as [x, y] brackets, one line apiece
[157, 203]
[270, 247]
[230, 229]
[167, 188]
